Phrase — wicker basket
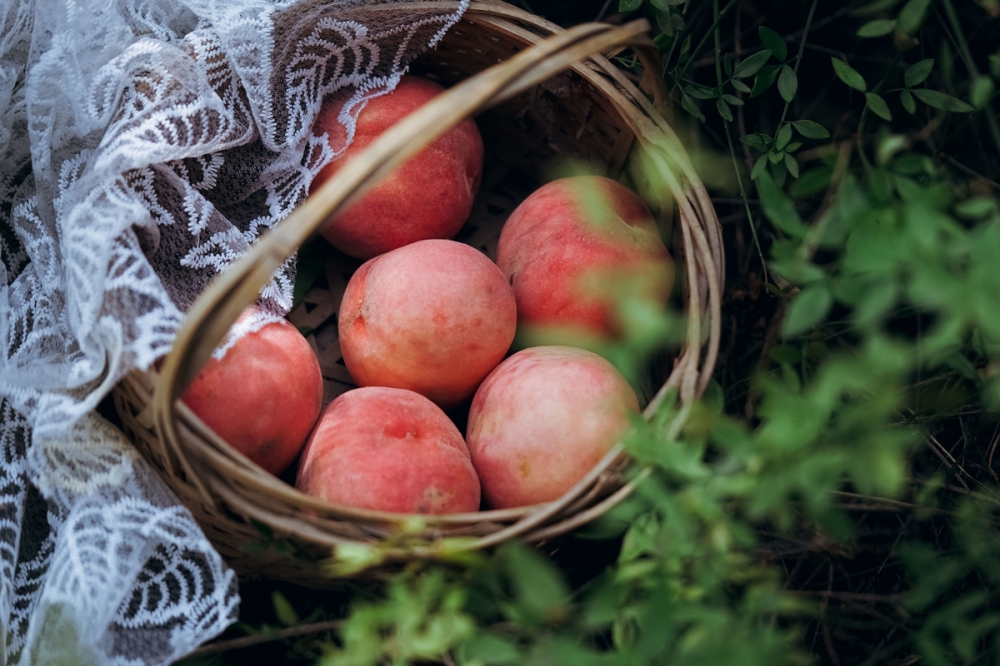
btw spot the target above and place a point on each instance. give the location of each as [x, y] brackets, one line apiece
[538, 93]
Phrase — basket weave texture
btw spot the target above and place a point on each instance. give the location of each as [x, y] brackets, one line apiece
[538, 93]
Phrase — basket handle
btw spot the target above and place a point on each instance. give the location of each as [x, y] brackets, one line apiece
[215, 310]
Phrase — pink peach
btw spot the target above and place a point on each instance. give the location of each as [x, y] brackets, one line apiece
[389, 449]
[575, 248]
[263, 396]
[434, 317]
[428, 196]
[543, 419]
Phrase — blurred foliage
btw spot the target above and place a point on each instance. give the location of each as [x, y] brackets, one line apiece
[864, 137]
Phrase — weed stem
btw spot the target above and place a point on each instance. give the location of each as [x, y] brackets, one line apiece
[970, 64]
[729, 139]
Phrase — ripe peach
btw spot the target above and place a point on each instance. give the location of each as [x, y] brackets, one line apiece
[543, 419]
[389, 449]
[263, 396]
[428, 196]
[434, 317]
[575, 248]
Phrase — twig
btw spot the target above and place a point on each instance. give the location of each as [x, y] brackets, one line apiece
[892, 551]
[814, 236]
[771, 338]
[604, 9]
[993, 449]
[798, 56]
[970, 64]
[682, 72]
[258, 639]
[729, 140]
[827, 638]
[961, 167]
[740, 116]
[864, 111]
[851, 596]
[945, 456]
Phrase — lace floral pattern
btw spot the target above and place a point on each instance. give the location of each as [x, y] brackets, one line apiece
[144, 144]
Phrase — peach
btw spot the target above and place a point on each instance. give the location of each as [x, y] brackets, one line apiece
[428, 196]
[434, 317]
[264, 395]
[389, 449]
[543, 419]
[575, 248]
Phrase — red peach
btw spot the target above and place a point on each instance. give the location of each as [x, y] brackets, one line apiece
[389, 449]
[428, 196]
[575, 248]
[434, 317]
[543, 419]
[264, 396]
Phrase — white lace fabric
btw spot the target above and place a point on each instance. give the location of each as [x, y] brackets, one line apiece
[144, 144]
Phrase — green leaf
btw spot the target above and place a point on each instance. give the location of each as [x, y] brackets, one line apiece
[809, 308]
[764, 79]
[283, 609]
[701, 92]
[976, 208]
[918, 72]
[791, 165]
[688, 105]
[759, 167]
[685, 46]
[778, 207]
[878, 106]
[848, 75]
[724, 110]
[788, 83]
[538, 585]
[739, 85]
[783, 137]
[910, 164]
[995, 65]
[880, 185]
[778, 170]
[732, 99]
[670, 23]
[727, 65]
[810, 129]
[629, 5]
[489, 649]
[773, 42]
[981, 92]
[811, 182]
[751, 65]
[888, 146]
[875, 303]
[877, 28]
[912, 16]
[939, 100]
[756, 141]
[906, 99]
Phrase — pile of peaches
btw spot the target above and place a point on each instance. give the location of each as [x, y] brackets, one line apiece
[426, 325]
